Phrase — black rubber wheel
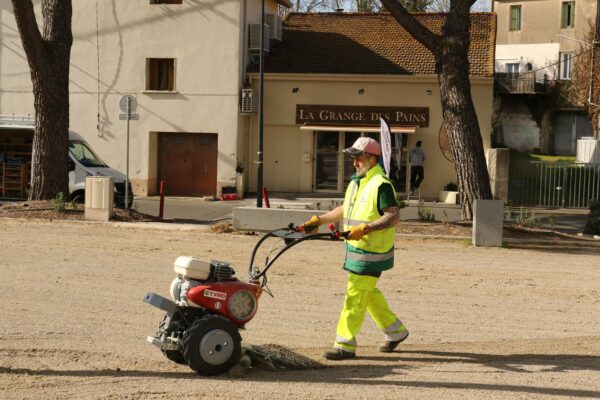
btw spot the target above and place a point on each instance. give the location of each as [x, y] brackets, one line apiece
[78, 197]
[212, 345]
[173, 355]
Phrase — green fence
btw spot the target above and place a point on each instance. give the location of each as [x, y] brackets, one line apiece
[553, 184]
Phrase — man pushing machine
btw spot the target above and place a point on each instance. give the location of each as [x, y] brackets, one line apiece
[369, 212]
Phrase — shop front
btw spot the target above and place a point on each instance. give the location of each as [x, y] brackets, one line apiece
[321, 95]
[306, 131]
[337, 127]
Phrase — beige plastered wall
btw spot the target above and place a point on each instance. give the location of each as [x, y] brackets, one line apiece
[203, 36]
[285, 143]
[541, 23]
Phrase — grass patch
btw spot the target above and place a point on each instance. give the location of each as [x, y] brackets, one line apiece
[521, 156]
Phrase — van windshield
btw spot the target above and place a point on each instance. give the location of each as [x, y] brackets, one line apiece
[84, 154]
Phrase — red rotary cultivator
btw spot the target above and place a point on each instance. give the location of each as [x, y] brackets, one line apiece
[209, 306]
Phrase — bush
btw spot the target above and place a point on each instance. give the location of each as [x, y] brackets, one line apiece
[593, 223]
[451, 187]
[59, 202]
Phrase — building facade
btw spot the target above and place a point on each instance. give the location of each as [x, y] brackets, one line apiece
[191, 66]
[334, 75]
[185, 64]
[538, 43]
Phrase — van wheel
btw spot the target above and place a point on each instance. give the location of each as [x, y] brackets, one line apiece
[78, 197]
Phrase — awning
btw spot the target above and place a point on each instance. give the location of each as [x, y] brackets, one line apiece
[345, 128]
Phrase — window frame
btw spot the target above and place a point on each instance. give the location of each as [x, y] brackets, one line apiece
[567, 15]
[153, 74]
[513, 25]
[515, 67]
[565, 65]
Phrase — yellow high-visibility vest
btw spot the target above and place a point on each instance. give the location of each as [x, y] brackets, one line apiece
[360, 206]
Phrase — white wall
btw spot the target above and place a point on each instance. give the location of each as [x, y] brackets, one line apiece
[542, 57]
[204, 38]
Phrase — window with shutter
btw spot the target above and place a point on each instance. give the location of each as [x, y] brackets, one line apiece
[568, 14]
[515, 18]
[160, 74]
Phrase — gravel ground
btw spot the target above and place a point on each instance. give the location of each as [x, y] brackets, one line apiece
[510, 323]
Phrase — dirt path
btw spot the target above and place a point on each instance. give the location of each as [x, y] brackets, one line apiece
[485, 323]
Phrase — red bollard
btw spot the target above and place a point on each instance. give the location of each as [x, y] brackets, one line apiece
[265, 197]
[161, 207]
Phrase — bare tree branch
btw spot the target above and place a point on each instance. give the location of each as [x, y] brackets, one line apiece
[414, 27]
[33, 43]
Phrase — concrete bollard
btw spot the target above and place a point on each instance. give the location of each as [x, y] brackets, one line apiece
[488, 218]
[99, 198]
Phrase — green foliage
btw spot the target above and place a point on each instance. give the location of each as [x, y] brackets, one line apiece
[522, 216]
[402, 204]
[451, 187]
[593, 223]
[552, 221]
[416, 5]
[425, 213]
[59, 202]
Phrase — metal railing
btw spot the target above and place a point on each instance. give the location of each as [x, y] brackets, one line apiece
[553, 184]
[509, 83]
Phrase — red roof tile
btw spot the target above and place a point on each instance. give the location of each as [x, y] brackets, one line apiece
[357, 43]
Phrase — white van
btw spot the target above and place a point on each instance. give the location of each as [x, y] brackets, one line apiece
[84, 162]
[16, 138]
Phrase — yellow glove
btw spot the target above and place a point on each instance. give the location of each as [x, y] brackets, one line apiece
[357, 231]
[310, 226]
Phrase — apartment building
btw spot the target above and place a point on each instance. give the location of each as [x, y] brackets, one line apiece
[537, 44]
[184, 61]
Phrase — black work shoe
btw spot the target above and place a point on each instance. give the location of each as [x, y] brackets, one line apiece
[338, 354]
[390, 346]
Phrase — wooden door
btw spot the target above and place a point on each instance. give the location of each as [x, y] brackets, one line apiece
[187, 162]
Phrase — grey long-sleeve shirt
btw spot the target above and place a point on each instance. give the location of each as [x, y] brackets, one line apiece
[416, 157]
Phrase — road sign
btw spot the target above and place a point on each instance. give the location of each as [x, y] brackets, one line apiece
[132, 104]
[131, 116]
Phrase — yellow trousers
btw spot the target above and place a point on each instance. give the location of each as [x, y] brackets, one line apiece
[362, 295]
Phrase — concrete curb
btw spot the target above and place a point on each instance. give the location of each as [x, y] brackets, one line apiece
[557, 242]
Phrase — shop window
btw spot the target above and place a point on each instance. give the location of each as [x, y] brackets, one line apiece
[166, 1]
[566, 60]
[515, 18]
[160, 74]
[568, 14]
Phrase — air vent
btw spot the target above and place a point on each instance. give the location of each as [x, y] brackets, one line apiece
[254, 37]
[275, 26]
[247, 101]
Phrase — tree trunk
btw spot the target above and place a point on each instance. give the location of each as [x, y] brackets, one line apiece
[48, 55]
[450, 50]
[459, 112]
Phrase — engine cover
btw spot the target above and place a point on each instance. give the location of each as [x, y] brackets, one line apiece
[237, 301]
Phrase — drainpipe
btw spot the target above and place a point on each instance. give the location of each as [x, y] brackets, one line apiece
[244, 39]
[594, 44]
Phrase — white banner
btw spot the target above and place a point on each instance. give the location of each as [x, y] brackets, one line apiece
[386, 146]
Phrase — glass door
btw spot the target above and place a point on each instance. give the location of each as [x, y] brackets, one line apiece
[333, 169]
[349, 139]
[327, 150]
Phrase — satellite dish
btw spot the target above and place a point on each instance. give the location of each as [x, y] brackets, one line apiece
[445, 143]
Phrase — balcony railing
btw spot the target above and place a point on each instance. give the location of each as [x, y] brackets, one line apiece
[519, 84]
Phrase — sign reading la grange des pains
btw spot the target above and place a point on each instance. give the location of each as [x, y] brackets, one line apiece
[360, 115]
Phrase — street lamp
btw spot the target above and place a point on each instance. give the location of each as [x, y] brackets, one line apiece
[259, 177]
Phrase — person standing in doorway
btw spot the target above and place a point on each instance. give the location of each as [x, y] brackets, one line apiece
[369, 213]
[416, 158]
